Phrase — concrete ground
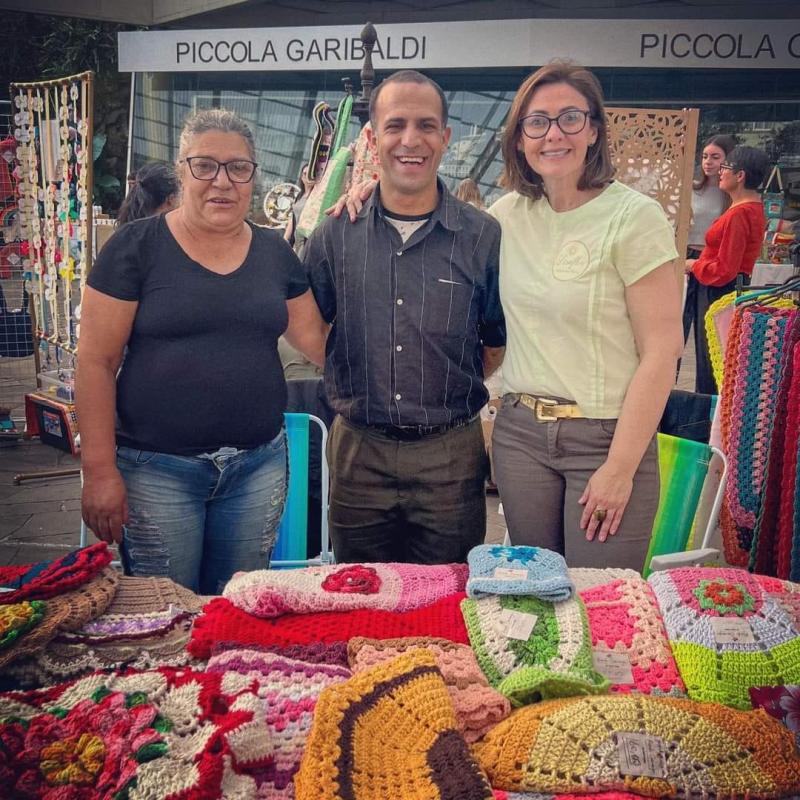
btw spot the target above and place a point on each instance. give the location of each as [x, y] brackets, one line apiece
[40, 519]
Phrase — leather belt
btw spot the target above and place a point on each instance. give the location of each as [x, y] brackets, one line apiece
[412, 433]
[546, 409]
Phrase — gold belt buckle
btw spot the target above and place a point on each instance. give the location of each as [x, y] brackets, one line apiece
[543, 409]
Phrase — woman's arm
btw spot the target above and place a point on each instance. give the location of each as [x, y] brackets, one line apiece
[105, 329]
[307, 331]
[654, 307]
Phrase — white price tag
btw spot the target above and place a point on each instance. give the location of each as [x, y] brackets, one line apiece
[519, 625]
[506, 574]
[641, 754]
[614, 666]
[732, 630]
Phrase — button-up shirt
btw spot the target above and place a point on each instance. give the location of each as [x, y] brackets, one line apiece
[409, 319]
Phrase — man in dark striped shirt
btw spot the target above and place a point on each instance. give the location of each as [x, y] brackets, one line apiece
[411, 291]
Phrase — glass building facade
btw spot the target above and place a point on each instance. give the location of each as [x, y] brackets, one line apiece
[761, 106]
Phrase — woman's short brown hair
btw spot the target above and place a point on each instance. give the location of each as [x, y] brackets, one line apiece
[518, 175]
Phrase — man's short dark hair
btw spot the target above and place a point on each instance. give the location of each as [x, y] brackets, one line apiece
[407, 76]
[753, 162]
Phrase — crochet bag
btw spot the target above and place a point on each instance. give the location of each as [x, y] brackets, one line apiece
[652, 746]
[729, 631]
[344, 587]
[628, 636]
[389, 732]
[530, 649]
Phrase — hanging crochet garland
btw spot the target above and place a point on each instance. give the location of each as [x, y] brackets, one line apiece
[53, 129]
[753, 362]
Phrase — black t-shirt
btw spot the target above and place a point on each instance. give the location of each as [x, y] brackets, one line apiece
[202, 369]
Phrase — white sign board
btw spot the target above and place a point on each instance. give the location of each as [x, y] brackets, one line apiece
[485, 43]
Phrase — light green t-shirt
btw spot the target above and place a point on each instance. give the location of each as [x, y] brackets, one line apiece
[562, 286]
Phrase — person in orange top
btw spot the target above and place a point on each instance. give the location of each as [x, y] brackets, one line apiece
[733, 241]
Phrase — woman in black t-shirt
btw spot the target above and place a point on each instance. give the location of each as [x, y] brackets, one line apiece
[191, 477]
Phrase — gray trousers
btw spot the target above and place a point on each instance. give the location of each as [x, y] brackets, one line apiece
[542, 468]
[419, 501]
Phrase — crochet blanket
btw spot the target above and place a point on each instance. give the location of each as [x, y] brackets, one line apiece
[344, 587]
[162, 735]
[530, 649]
[653, 746]
[223, 622]
[50, 578]
[729, 631]
[68, 611]
[289, 690]
[495, 569]
[629, 641]
[478, 707]
[389, 732]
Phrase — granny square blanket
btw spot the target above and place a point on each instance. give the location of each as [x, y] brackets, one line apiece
[729, 631]
[555, 660]
[624, 620]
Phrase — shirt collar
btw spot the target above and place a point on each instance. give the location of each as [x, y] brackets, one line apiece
[446, 212]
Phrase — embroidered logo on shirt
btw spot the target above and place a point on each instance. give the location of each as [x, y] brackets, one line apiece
[571, 262]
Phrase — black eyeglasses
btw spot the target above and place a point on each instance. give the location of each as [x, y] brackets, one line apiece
[206, 169]
[728, 165]
[535, 126]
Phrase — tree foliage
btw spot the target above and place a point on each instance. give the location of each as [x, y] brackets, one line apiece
[38, 47]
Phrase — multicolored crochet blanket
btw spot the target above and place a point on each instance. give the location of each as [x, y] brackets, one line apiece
[497, 569]
[530, 649]
[223, 622]
[478, 707]
[163, 734]
[344, 587]
[652, 746]
[50, 578]
[389, 732]
[629, 641]
[730, 630]
[289, 690]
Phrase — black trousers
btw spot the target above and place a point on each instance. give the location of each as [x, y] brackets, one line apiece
[418, 501]
[698, 300]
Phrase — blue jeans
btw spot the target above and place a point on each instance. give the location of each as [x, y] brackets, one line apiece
[199, 519]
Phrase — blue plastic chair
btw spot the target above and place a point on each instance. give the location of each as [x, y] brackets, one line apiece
[291, 549]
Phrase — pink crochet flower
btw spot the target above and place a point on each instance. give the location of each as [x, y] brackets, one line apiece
[355, 579]
[94, 751]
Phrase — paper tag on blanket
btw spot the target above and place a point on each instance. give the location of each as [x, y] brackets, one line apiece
[613, 665]
[641, 754]
[506, 574]
[519, 625]
[732, 630]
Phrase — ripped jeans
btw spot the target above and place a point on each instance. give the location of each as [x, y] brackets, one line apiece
[199, 519]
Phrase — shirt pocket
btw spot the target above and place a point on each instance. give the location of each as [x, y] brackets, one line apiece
[447, 305]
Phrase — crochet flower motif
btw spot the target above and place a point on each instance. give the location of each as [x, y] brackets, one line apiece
[92, 750]
[724, 596]
[356, 579]
[17, 618]
[520, 553]
[790, 705]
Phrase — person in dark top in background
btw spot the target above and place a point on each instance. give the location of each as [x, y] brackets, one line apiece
[411, 288]
[193, 480]
[155, 190]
